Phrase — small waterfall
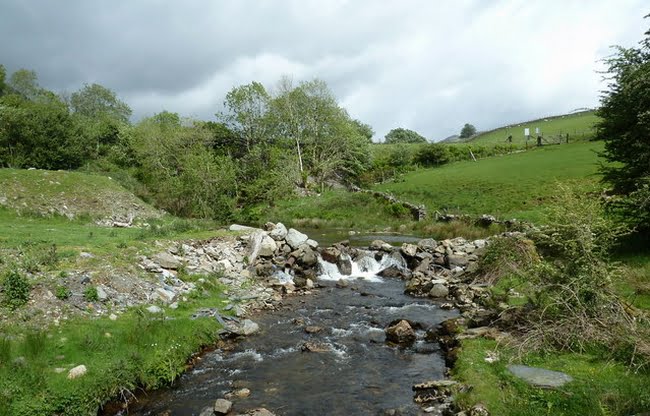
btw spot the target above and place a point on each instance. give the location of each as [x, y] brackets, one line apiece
[365, 267]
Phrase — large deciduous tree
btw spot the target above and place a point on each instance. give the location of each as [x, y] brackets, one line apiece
[96, 101]
[467, 131]
[624, 126]
[247, 106]
[401, 135]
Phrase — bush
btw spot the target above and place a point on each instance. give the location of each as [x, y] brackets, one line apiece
[16, 289]
[433, 154]
[507, 256]
[62, 292]
[90, 294]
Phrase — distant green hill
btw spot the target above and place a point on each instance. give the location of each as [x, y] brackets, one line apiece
[578, 126]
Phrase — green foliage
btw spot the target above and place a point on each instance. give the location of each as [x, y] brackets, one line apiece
[90, 294]
[38, 134]
[62, 292]
[16, 289]
[507, 256]
[401, 135]
[625, 127]
[433, 154]
[467, 131]
[96, 102]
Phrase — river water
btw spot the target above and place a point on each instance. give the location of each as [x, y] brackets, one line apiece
[352, 372]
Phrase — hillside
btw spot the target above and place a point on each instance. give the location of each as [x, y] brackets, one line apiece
[516, 185]
[579, 126]
[70, 194]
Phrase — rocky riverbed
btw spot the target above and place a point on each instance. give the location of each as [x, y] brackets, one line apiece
[374, 328]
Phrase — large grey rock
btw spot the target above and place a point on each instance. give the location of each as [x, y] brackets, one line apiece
[244, 228]
[295, 238]
[222, 406]
[409, 250]
[267, 246]
[428, 244]
[279, 232]
[247, 327]
[308, 257]
[101, 293]
[439, 290]
[401, 333]
[167, 260]
[165, 295]
[454, 260]
[540, 377]
[330, 254]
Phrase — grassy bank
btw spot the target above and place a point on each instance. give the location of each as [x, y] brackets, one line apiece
[137, 350]
[517, 185]
[600, 387]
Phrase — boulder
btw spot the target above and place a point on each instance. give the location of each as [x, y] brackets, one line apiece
[409, 250]
[267, 246]
[222, 406]
[278, 232]
[427, 244]
[247, 327]
[244, 228]
[167, 261]
[308, 258]
[540, 377]
[295, 238]
[165, 295]
[102, 296]
[454, 260]
[345, 266]
[439, 290]
[330, 254]
[77, 372]
[401, 333]
[393, 271]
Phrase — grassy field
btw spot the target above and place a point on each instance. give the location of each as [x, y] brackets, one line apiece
[138, 349]
[579, 126]
[600, 388]
[517, 185]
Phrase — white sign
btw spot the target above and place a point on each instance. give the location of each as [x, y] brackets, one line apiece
[526, 131]
[537, 130]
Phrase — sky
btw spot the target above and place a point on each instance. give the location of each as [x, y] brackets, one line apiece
[429, 66]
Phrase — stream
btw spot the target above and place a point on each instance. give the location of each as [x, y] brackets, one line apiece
[319, 354]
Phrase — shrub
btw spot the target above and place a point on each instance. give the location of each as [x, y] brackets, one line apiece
[90, 294]
[16, 289]
[62, 292]
[507, 256]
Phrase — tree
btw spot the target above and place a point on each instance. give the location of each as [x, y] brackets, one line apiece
[467, 131]
[25, 83]
[364, 129]
[3, 80]
[96, 102]
[400, 135]
[624, 125]
[247, 106]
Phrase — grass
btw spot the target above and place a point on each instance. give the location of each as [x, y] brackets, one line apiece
[71, 194]
[138, 350]
[579, 126]
[599, 388]
[517, 185]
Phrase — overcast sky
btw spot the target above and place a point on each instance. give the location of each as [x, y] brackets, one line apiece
[430, 66]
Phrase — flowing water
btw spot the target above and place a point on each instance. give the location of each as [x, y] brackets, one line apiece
[354, 372]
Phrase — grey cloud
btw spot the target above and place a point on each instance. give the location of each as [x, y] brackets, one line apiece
[428, 66]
